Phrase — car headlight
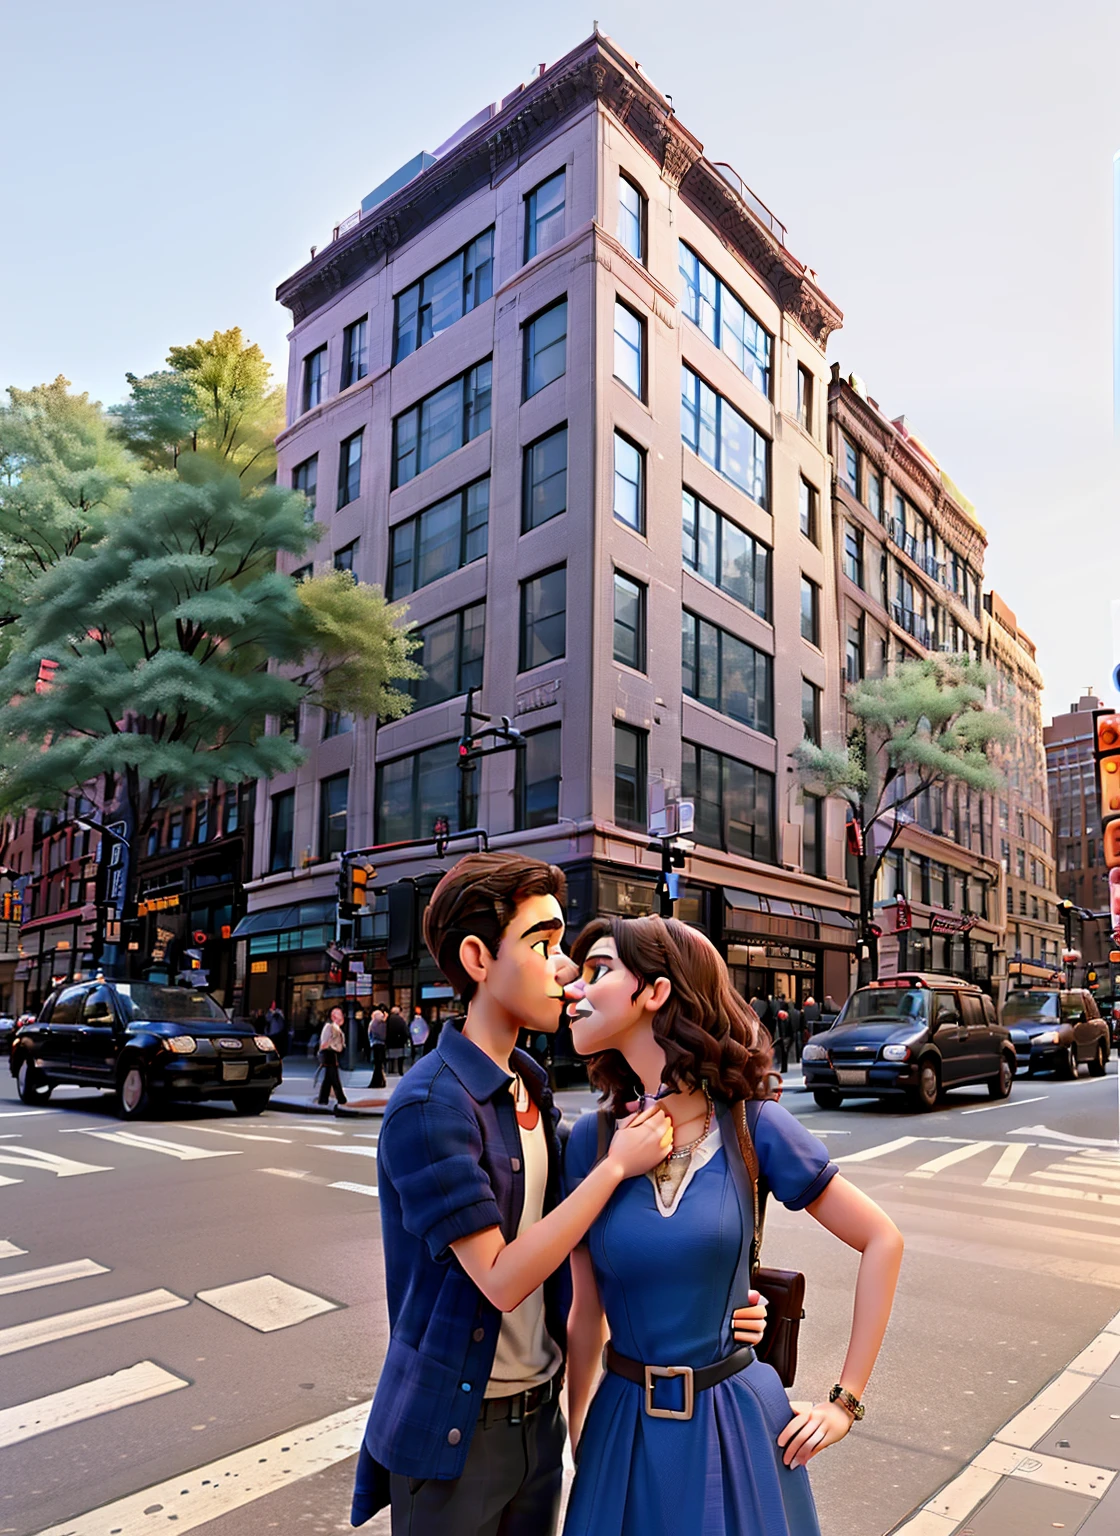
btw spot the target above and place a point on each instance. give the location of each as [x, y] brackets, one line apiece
[895, 1053]
[263, 1043]
[182, 1045]
[814, 1053]
[1048, 1037]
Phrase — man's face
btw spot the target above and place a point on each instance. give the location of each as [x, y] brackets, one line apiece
[527, 975]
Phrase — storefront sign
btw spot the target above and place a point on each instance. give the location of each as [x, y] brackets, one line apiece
[888, 957]
[156, 904]
[258, 967]
[947, 923]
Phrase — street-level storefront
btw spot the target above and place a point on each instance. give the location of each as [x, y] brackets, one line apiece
[285, 959]
[53, 950]
[790, 949]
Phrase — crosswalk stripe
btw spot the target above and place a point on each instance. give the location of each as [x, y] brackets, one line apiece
[9, 1250]
[1067, 1176]
[66, 1325]
[869, 1153]
[206, 1493]
[354, 1151]
[1006, 1164]
[949, 1159]
[1063, 1192]
[89, 1400]
[214, 1130]
[34, 1157]
[52, 1274]
[357, 1189]
[177, 1149]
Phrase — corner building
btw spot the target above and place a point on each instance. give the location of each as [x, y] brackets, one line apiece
[564, 391]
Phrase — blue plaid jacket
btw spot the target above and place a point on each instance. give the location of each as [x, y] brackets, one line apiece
[449, 1164]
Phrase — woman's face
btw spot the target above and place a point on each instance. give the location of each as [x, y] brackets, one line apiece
[602, 1007]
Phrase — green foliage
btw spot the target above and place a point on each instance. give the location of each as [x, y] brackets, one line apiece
[160, 420]
[830, 771]
[362, 643]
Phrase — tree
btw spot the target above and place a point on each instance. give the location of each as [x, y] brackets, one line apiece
[924, 724]
[63, 471]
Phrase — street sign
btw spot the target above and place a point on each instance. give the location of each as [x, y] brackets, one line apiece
[686, 817]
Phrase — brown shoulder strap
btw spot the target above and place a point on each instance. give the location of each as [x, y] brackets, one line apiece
[750, 1158]
[604, 1130]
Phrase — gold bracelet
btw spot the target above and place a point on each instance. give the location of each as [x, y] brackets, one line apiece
[848, 1401]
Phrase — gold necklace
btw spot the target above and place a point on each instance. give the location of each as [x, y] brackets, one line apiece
[663, 1172]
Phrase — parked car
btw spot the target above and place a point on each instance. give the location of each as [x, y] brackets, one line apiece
[8, 1027]
[143, 1041]
[911, 1036]
[1109, 1007]
[1055, 1031]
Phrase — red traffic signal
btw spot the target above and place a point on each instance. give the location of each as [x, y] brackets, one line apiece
[1107, 752]
[854, 834]
[200, 936]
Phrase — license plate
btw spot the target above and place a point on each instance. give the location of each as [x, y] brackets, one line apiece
[234, 1071]
[851, 1077]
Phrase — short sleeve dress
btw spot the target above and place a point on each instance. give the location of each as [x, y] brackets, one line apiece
[669, 1284]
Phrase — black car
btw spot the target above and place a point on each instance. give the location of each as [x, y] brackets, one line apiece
[910, 1036]
[143, 1041]
[1055, 1031]
[8, 1027]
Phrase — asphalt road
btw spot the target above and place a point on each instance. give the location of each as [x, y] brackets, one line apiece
[237, 1410]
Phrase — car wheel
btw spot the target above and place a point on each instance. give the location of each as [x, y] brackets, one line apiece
[927, 1092]
[134, 1097]
[827, 1098]
[1067, 1066]
[1000, 1085]
[31, 1085]
[251, 1101]
[1099, 1062]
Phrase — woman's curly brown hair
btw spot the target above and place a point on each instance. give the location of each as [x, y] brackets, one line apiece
[710, 1036]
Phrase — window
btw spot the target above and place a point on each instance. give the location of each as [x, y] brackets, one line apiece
[804, 398]
[174, 831]
[810, 611]
[1021, 863]
[450, 651]
[305, 478]
[629, 483]
[350, 469]
[546, 347]
[629, 777]
[734, 802]
[631, 219]
[875, 494]
[355, 353]
[629, 622]
[714, 429]
[812, 836]
[440, 423]
[232, 811]
[544, 490]
[811, 711]
[283, 825]
[304, 573]
[629, 349]
[333, 794]
[315, 378]
[544, 216]
[336, 724]
[444, 295]
[439, 540]
[853, 554]
[344, 558]
[727, 673]
[849, 466]
[202, 821]
[710, 304]
[413, 791]
[808, 504]
[853, 653]
[537, 791]
[724, 554]
[543, 602]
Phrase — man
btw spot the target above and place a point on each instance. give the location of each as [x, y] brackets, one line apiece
[780, 1029]
[332, 1043]
[812, 1012]
[277, 1026]
[465, 1435]
[377, 1022]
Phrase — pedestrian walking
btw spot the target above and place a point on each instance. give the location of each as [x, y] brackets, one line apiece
[396, 1041]
[332, 1043]
[276, 1026]
[781, 1031]
[418, 1032]
[377, 1021]
[812, 1012]
[796, 1030]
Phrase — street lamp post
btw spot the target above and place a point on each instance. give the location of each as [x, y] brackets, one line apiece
[1065, 907]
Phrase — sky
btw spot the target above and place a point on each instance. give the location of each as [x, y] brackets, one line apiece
[945, 167]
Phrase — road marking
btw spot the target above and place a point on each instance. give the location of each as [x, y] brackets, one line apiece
[315, 1130]
[52, 1274]
[9, 1250]
[89, 1400]
[354, 1151]
[1006, 1164]
[1063, 1192]
[4, 1181]
[882, 1150]
[213, 1130]
[16, 1114]
[1063, 1136]
[196, 1497]
[948, 1159]
[50, 1162]
[66, 1325]
[357, 1189]
[286, 1173]
[983, 1109]
[177, 1149]
[1067, 1175]
[266, 1303]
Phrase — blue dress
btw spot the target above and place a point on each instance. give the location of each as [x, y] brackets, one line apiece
[668, 1285]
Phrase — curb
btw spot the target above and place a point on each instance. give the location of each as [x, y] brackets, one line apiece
[357, 1110]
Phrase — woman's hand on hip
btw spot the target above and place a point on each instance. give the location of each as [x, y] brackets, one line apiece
[811, 1429]
[748, 1324]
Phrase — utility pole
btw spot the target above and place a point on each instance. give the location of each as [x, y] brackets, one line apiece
[476, 744]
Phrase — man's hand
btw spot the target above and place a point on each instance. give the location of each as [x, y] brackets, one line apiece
[641, 1142]
[748, 1324]
[811, 1429]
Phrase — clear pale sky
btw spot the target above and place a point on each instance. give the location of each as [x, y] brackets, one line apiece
[946, 167]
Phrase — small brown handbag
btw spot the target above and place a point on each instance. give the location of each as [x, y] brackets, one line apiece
[784, 1289]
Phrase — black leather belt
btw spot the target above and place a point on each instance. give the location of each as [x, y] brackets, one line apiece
[522, 1404]
[696, 1379]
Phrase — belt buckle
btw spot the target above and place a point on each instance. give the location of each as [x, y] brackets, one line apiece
[653, 1372]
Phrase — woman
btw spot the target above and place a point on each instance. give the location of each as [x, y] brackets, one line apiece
[332, 1044]
[654, 1010]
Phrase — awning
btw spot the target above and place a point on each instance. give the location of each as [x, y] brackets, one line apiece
[750, 901]
[777, 917]
[303, 914]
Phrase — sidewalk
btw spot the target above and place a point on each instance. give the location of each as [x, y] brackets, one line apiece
[1053, 1467]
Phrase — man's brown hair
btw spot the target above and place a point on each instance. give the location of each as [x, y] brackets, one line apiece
[478, 897]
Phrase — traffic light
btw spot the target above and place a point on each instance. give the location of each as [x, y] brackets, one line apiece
[354, 877]
[1114, 900]
[1107, 752]
[7, 906]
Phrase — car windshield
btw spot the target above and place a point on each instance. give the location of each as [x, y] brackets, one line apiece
[865, 1007]
[1030, 1005]
[171, 1005]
